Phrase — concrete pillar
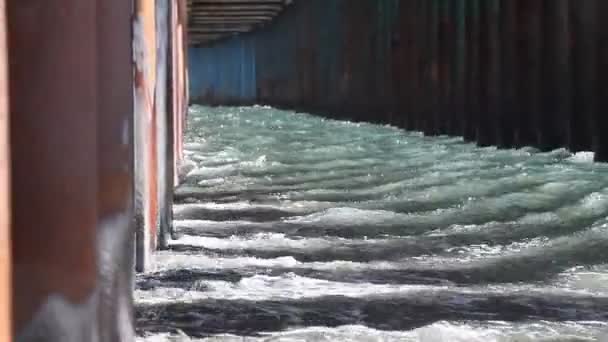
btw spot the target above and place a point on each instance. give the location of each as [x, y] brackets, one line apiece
[5, 251]
[71, 154]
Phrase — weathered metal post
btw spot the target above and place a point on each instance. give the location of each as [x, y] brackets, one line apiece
[584, 72]
[432, 122]
[458, 56]
[529, 71]
[71, 108]
[146, 206]
[556, 99]
[115, 235]
[489, 62]
[472, 70]
[5, 242]
[163, 110]
[601, 119]
[508, 81]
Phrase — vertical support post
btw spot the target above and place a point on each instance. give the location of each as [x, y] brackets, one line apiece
[601, 119]
[555, 75]
[459, 58]
[5, 242]
[487, 128]
[70, 86]
[529, 51]
[115, 186]
[473, 71]
[432, 124]
[443, 79]
[162, 90]
[584, 63]
[54, 163]
[509, 74]
[146, 210]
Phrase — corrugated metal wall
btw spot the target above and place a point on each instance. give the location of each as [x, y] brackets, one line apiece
[499, 72]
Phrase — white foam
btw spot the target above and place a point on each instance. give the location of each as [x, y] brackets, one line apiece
[495, 331]
[582, 157]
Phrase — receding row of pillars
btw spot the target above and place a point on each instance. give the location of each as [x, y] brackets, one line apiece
[506, 72]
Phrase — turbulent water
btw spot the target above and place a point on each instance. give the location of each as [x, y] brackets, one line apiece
[296, 228]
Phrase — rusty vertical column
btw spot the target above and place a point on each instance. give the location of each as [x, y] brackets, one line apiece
[472, 70]
[529, 64]
[5, 257]
[179, 44]
[70, 85]
[165, 160]
[584, 72]
[53, 86]
[508, 72]
[488, 127]
[416, 67]
[432, 120]
[458, 56]
[115, 151]
[144, 55]
[555, 95]
[443, 77]
[601, 119]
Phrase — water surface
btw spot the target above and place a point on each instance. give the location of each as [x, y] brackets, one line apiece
[296, 228]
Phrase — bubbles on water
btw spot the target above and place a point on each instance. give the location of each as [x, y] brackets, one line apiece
[291, 223]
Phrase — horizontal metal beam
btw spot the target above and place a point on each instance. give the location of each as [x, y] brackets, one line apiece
[215, 19]
[228, 20]
[205, 29]
[272, 8]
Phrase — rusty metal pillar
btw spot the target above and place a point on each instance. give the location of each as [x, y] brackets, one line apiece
[432, 121]
[70, 86]
[508, 65]
[584, 72]
[529, 64]
[472, 70]
[116, 232]
[556, 100]
[179, 29]
[487, 128]
[443, 59]
[459, 58]
[163, 124]
[5, 257]
[146, 206]
[601, 119]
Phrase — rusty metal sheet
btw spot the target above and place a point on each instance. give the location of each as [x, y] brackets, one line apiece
[71, 153]
[146, 198]
[115, 170]
[499, 72]
[5, 243]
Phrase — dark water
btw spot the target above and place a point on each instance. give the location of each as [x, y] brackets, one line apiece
[296, 228]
